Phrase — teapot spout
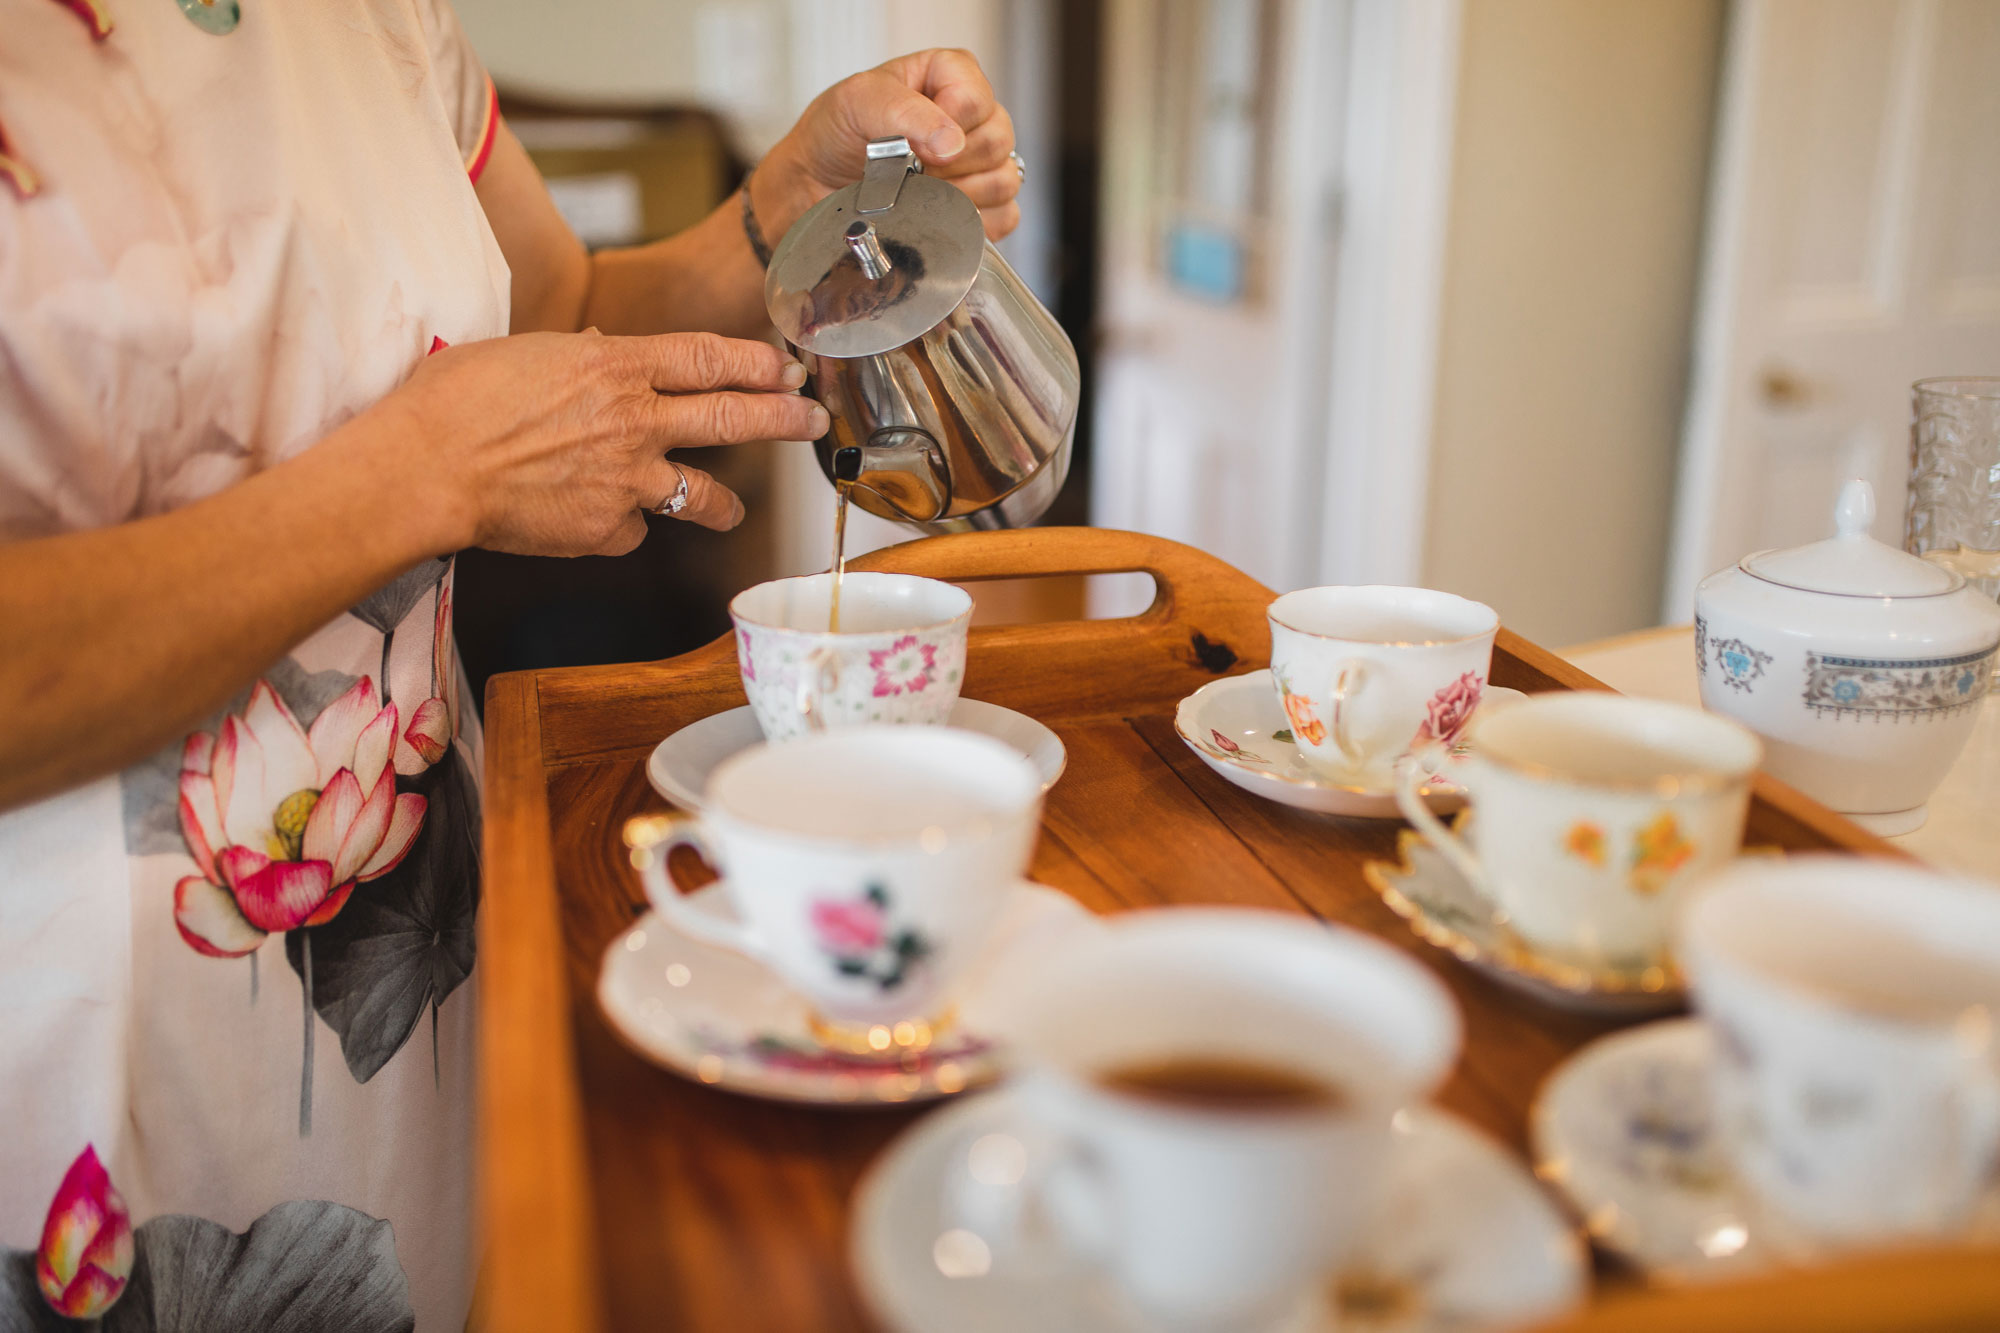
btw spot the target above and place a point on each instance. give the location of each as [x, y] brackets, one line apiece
[902, 467]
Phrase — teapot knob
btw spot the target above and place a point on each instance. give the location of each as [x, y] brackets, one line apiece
[1854, 513]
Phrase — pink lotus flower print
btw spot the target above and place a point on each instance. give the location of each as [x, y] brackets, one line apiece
[283, 822]
[85, 1257]
[1449, 710]
[904, 667]
[436, 720]
[847, 928]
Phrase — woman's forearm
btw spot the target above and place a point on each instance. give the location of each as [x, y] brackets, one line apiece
[118, 641]
[706, 277]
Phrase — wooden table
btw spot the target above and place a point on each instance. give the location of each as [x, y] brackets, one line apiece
[618, 1196]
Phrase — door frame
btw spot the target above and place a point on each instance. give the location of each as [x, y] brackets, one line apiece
[1388, 289]
[1702, 460]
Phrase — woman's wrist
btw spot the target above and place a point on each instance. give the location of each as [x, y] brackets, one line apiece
[780, 192]
[424, 507]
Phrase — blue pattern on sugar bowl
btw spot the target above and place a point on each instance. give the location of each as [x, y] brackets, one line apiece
[1862, 667]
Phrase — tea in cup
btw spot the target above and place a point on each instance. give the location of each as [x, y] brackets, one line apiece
[898, 656]
[865, 867]
[1206, 1103]
[1593, 815]
[1857, 1079]
[1367, 673]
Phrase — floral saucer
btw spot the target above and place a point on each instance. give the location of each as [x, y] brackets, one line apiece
[725, 1019]
[1464, 1240]
[680, 765]
[1239, 730]
[1624, 1132]
[1444, 909]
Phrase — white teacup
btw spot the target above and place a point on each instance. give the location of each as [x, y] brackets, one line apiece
[1857, 1081]
[1366, 673]
[1595, 813]
[866, 866]
[1214, 1213]
[899, 655]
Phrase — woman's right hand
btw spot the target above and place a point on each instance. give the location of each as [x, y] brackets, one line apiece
[553, 443]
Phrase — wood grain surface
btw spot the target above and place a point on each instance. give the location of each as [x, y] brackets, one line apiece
[619, 1196]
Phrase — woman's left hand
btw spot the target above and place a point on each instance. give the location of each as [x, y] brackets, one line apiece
[939, 100]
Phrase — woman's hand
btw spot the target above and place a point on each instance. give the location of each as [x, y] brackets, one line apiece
[552, 443]
[939, 100]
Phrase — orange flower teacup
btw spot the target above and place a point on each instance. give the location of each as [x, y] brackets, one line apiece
[1596, 813]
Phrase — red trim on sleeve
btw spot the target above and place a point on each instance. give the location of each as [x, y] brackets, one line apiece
[437, 345]
[491, 127]
[93, 15]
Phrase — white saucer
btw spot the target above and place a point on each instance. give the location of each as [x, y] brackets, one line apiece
[1444, 909]
[1238, 728]
[1465, 1240]
[1624, 1132]
[722, 1018]
[680, 765]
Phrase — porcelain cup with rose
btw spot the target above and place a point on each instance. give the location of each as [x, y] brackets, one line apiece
[898, 657]
[865, 867]
[1366, 674]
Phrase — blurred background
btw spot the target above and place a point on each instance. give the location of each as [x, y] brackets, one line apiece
[1559, 304]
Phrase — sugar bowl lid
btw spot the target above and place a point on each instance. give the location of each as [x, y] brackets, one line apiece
[1851, 563]
[878, 263]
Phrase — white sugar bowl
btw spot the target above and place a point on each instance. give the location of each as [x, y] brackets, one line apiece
[1861, 666]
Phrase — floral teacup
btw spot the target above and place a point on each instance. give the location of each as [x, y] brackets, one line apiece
[1597, 813]
[865, 866]
[1367, 674]
[899, 655]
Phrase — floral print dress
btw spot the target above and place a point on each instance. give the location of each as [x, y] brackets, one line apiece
[235, 1029]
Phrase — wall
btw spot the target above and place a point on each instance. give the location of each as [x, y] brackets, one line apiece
[757, 61]
[1581, 159]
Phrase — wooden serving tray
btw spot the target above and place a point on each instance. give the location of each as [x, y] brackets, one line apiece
[618, 1196]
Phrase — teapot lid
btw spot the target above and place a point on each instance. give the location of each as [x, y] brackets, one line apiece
[1851, 563]
[878, 263]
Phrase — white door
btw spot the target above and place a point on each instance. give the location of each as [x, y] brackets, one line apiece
[1221, 149]
[1853, 247]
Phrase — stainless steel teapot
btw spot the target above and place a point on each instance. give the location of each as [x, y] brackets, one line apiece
[953, 391]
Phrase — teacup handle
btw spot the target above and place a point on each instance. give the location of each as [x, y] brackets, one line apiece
[818, 678]
[1411, 772]
[1056, 1211]
[1348, 682]
[651, 838]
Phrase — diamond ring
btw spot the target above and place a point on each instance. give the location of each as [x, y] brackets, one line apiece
[675, 503]
[1019, 165]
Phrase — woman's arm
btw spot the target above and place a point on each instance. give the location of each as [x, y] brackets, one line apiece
[116, 642]
[706, 277]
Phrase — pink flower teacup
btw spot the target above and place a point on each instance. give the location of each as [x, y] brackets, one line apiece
[865, 866]
[899, 655]
[1369, 674]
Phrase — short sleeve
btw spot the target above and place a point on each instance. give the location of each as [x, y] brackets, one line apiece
[470, 102]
